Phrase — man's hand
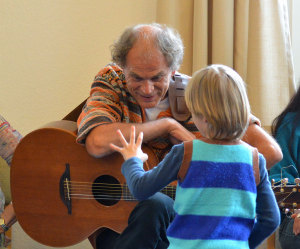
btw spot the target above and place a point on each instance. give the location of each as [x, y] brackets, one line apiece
[296, 226]
[131, 149]
[178, 134]
[266, 144]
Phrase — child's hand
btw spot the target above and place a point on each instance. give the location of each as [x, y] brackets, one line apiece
[131, 149]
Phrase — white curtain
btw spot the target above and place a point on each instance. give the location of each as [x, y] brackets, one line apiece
[251, 36]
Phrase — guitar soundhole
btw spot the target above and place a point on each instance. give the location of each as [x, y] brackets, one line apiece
[107, 190]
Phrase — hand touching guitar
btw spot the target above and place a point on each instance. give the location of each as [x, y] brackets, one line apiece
[54, 181]
[54, 187]
[131, 149]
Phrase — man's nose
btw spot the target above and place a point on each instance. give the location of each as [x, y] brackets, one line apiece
[147, 87]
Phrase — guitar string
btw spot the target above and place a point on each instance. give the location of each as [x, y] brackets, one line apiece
[119, 194]
[112, 191]
[99, 183]
[109, 187]
[96, 185]
[101, 197]
[291, 165]
[287, 195]
[281, 193]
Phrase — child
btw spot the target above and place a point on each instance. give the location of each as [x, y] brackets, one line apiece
[218, 203]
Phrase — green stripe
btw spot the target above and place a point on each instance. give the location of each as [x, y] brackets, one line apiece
[207, 244]
[220, 153]
[215, 202]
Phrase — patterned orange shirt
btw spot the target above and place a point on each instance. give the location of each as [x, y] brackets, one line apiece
[110, 101]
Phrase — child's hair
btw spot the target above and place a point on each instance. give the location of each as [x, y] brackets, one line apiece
[218, 94]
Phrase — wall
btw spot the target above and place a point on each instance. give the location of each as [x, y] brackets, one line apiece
[51, 51]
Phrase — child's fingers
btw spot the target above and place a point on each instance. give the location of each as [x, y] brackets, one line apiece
[139, 140]
[122, 139]
[132, 135]
[115, 147]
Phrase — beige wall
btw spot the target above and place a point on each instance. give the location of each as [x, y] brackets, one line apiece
[51, 51]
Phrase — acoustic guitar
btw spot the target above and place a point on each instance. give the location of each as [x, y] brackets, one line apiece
[61, 194]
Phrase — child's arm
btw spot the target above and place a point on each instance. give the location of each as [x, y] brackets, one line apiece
[267, 211]
[143, 184]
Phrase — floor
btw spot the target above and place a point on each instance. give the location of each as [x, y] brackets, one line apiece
[8, 233]
[22, 241]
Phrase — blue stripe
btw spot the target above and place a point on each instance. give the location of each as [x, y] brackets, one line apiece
[203, 174]
[210, 227]
[200, 202]
[207, 244]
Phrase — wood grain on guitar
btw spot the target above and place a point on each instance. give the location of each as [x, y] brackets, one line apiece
[61, 194]
[287, 194]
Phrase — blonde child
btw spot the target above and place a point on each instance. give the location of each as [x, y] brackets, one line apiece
[223, 196]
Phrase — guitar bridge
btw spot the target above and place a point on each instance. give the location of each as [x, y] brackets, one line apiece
[64, 189]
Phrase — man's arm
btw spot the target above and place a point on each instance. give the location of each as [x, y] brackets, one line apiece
[266, 145]
[98, 140]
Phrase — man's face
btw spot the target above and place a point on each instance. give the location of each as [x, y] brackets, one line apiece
[147, 75]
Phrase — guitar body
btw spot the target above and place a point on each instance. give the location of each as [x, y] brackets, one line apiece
[45, 164]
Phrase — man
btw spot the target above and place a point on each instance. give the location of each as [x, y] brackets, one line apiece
[135, 90]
